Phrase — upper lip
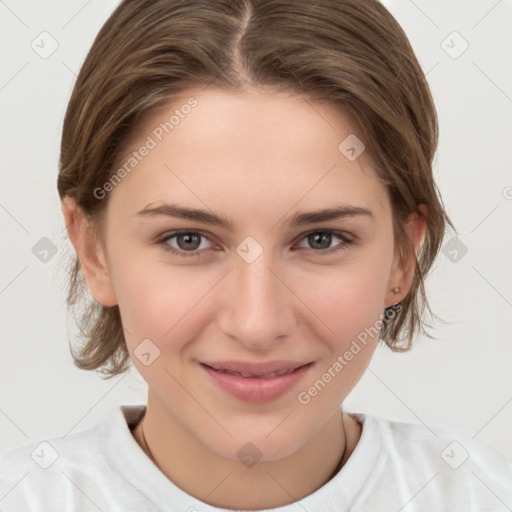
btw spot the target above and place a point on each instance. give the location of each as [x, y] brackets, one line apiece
[256, 369]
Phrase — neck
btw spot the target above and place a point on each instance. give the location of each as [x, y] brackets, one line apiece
[227, 483]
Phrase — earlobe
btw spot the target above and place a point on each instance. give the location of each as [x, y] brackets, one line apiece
[89, 252]
[402, 275]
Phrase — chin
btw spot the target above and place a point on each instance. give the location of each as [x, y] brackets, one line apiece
[258, 444]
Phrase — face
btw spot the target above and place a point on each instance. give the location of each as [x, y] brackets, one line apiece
[225, 304]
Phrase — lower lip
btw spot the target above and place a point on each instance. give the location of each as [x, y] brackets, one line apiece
[256, 389]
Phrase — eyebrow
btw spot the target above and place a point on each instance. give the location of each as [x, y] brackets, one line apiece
[299, 219]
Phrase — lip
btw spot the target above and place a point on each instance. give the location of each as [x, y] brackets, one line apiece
[256, 382]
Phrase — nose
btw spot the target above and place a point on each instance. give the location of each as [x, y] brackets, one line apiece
[257, 308]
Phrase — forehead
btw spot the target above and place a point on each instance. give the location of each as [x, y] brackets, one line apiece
[247, 150]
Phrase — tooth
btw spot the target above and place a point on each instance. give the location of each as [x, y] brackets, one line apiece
[267, 376]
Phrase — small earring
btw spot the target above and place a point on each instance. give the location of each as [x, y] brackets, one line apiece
[396, 289]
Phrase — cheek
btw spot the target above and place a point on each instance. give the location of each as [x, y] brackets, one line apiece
[346, 298]
[156, 299]
[349, 304]
[163, 304]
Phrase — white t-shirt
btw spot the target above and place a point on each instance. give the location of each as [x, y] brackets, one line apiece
[394, 467]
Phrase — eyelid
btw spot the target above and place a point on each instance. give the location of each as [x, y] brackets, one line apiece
[171, 234]
[345, 234]
[345, 237]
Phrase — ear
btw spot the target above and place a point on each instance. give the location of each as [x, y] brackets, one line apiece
[402, 272]
[89, 252]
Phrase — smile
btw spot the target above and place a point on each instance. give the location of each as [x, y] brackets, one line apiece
[256, 382]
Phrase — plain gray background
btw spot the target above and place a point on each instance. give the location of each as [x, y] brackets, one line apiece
[461, 380]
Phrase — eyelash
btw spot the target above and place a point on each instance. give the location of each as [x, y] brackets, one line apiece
[343, 245]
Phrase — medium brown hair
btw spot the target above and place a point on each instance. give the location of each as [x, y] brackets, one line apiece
[351, 53]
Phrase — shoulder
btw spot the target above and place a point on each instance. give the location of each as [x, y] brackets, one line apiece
[67, 450]
[38, 474]
[443, 464]
[435, 443]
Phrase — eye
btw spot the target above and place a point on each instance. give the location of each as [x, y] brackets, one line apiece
[189, 243]
[320, 241]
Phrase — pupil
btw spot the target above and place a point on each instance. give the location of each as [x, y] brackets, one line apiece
[317, 238]
[188, 238]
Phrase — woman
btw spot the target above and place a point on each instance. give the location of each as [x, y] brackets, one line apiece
[248, 187]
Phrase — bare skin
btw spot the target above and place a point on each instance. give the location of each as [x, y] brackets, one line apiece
[202, 479]
[256, 158]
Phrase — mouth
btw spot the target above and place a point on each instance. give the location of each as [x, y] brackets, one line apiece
[256, 382]
[256, 376]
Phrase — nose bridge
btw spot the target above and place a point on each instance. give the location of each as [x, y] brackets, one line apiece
[257, 287]
[257, 310]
